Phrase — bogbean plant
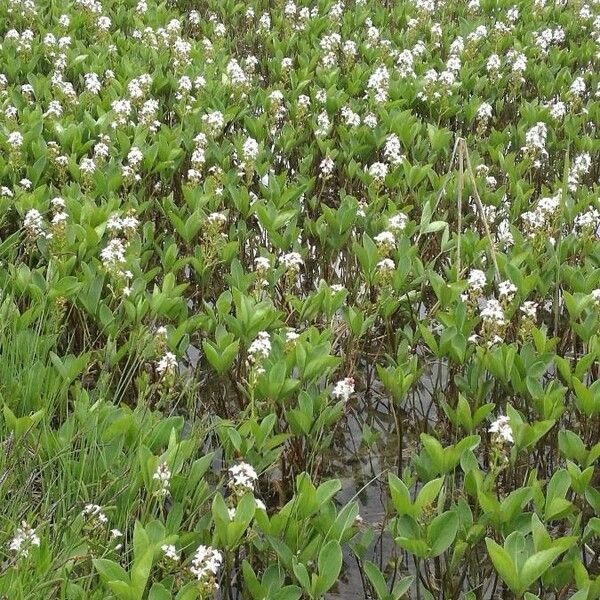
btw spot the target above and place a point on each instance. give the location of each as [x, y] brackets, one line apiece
[231, 232]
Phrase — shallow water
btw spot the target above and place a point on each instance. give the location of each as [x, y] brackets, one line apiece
[363, 469]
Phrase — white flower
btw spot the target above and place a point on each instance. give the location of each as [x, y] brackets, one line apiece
[135, 156]
[370, 121]
[250, 149]
[15, 139]
[326, 167]
[323, 125]
[484, 112]
[386, 265]
[343, 389]
[392, 150]
[236, 75]
[163, 476]
[535, 140]
[262, 263]
[529, 309]
[578, 87]
[103, 23]
[87, 166]
[351, 118]
[385, 239]
[167, 364]
[378, 83]
[242, 478]
[94, 513]
[477, 280]
[291, 260]
[113, 255]
[502, 430]
[507, 289]
[25, 537]
[260, 348]
[397, 223]
[33, 222]
[214, 121]
[581, 165]
[170, 552]
[291, 336]
[492, 313]
[378, 171]
[206, 564]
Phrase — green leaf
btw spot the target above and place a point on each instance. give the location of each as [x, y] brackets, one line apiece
[441, 532]
[110, 570]
[141, 572]
[330, 565]
[377, 580]
[503, 564]
[535, 566]
[159, 592]
[402, 587]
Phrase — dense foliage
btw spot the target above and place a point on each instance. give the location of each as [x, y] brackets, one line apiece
[299, 300]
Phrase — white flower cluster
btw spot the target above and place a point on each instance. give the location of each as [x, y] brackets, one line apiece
[493, 323]
[397, 223]
[198, 159]
[34, 226]
[578, 88]
[477, 281]
[588, 222]
[205, 567]
[121, 113]
[529, 310]
[259, 349]
[437, 85]
[492, 313]
[24, 539]
[242, 479]
[557, 108]
[292, 261]
[113, 255]
[378, 171]
[548, 37]
[236, 76]
[507, 290]
[502, 431]
[385, 267]
[214, 122]
[326, 167]
[386, 242]
[379, 83]
[541, 219]
[343, 389]
[484, 112]
[167, 366]
[250, 150]
[535, 143]
[262, 266]
[94, 515]
[392, 150]
[170, 553]
[581, 166]
[163, 476]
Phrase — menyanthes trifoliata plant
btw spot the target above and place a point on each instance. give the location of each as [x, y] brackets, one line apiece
[299, 299]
